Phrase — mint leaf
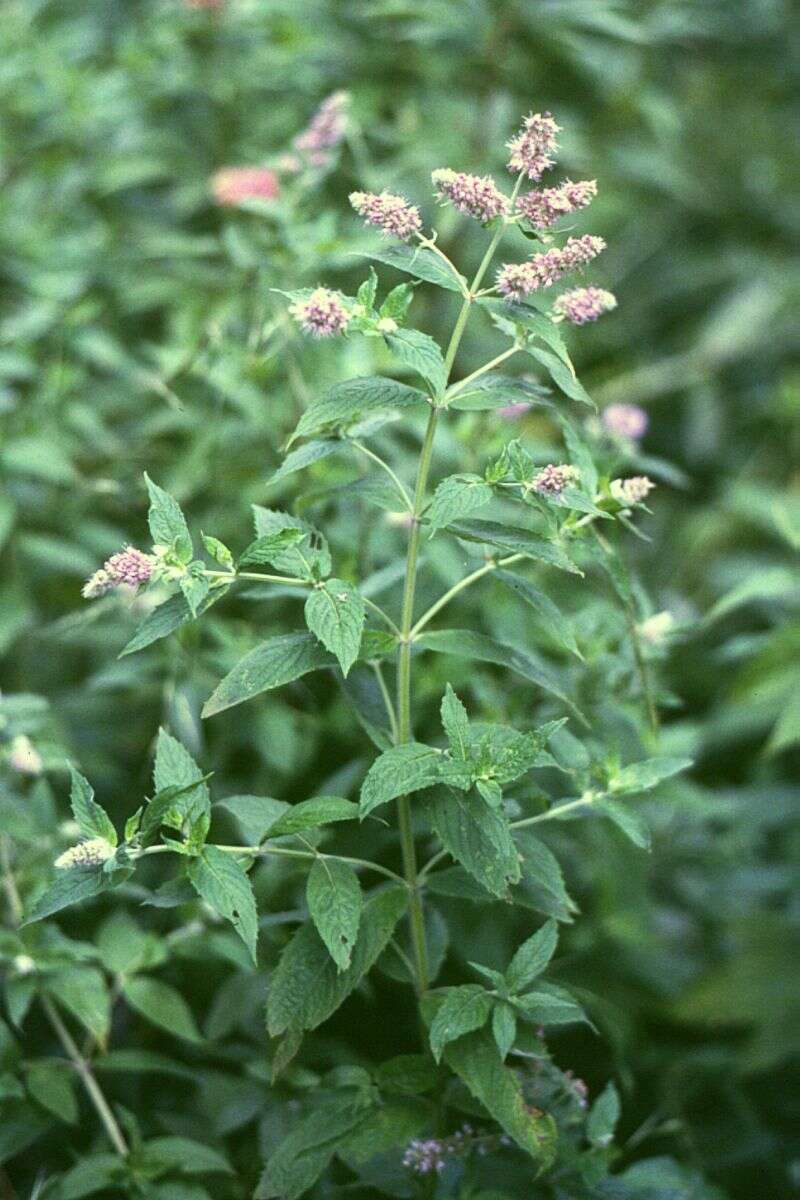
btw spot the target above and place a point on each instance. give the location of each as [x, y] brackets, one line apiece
[335, 614]
[464, 1009]
[166, 521]
[92, 820]
[478, 837]
[311, 814]
[420, 352]
[223, 883]
[334, 902]
[405, 769]
[457, 496]
[532, 957]
[275, 662]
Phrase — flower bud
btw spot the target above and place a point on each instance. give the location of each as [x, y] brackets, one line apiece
[322, 315]
[86, 854]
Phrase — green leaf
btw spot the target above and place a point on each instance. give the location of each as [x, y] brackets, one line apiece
[422, 263]
[335, 614]
[632, 823]
[456, 496]
[195, 587]
[301, 1157]
[406, 1075]
[420, 352]
[504, 1027]
[83, 992]
[463, 643]
[478, 837]
[515, 541]
[174, 768]
[346, 401]
[409, 768]
[305, 455]
[275, 662]
[51, 1085]
[455, 723]
[166, 520]
[311, 814]
[168, 617]
[542, 883]
[558, 626]
[223, 883]
[498, 391]
[289, 544]
[550, 1005]
[476, 1060]
[92, 820]
[125, 948]
[94, 1173]
[334, 902]
[160, 1003]
[218, 551]
[67, 888]
[306, 986]
[641, 776]
[186, 1155]
[254, 814]
[561, 375]
[464, 1009]
[532, 957]
[603, 1117]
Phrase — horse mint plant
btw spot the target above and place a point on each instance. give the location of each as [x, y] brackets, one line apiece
[448, 809]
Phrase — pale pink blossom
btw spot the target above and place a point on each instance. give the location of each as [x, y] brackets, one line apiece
[232, 185]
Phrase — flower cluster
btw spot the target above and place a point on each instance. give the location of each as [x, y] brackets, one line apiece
[392, 214]
[625, 421]
[631, 491]
[582, 305]
[533, 147]
[477, 196]
[130, 568]
[324, 131]
[544, 208]
[654, 630]
[232, 185]
[516, 280]
[322, 315]
[86, 854]
[424, 1156]
[552, 479]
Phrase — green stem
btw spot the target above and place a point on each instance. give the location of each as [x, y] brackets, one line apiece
[462, 384]
[554, 814]
[444, 599]
[283, 852]
[385, 466]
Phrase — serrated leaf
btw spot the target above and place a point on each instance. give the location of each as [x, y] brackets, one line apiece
[457, 496]
[335, 614]
[334, 902]
[289, 544]
[311, 814]
[67, 888]
[346, 401]
[559, 626]
[476, 1060]
[168, 617]
[90, 1175]
[253, 814]
[409, 768]
[561, 374]
[631, 822]
[161, 1004]
[83, 992]
[421, 263]
[176, 772]
[514, 540]
[532, 957]
[195, 588]
[498, 391]
[548, 1004]
[463, 1010]
[478, 837]
[304, 456]
[455, 723]
[52, 1086]
[603, 1117]
[186, 1155]
[92, 820]
[302, 1156]
[217, 550]
[306, 987]
[166, 520]
[222, 882]
[541, 879]
[275, 662]
[420, 352]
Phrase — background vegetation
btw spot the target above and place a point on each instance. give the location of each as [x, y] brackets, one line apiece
[138, 330]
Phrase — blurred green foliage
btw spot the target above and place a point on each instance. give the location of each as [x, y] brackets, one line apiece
[139, 329]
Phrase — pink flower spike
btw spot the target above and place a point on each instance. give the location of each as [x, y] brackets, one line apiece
[533, 147]
[232, 185]
[322, 315]
[387, 212]
[584, 304]
[625, 421]
[544, 208]
[476, 196]
[130, 566]
[325, 130]
[552, 480]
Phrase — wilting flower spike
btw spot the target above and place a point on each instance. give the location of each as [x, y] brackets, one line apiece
[584, 304]
[476, 196]
[533, 148]
[392, 214]
[322, 315]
